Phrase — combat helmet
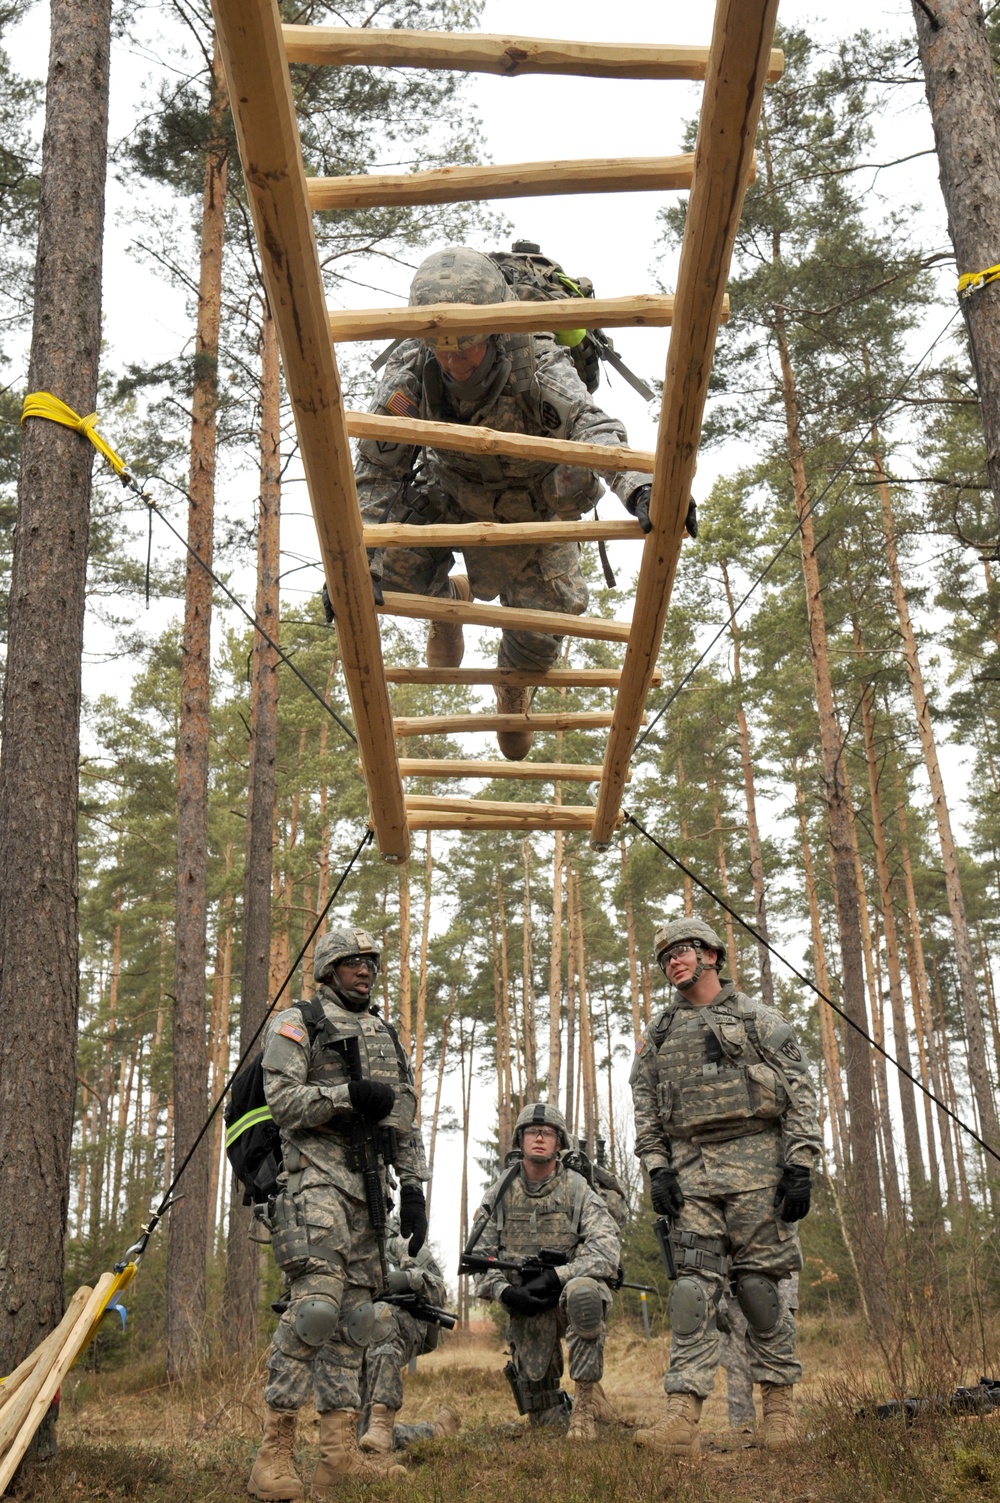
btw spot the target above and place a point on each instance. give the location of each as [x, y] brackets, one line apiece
[458, 275]
[695, 929]
[337, 944]
[541, 1114]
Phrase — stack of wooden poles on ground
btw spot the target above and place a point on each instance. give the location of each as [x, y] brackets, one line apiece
[27, 1394]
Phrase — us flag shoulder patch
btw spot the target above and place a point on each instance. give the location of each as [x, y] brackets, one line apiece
[289, 1031]
[402, 405]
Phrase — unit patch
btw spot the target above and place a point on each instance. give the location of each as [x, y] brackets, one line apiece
[402, 405]
[289, 1031]
[549, 416]
[792, 1051]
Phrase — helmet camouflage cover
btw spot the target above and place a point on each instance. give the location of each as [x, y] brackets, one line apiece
[675, 930]
[458, 275]
[337, 944]
[541, 1114]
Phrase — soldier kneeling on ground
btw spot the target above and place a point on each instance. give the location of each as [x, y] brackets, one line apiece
[540, 1207]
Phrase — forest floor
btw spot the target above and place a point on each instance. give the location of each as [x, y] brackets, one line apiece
[129, 1437]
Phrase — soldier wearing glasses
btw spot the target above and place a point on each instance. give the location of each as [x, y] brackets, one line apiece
[726, 1127]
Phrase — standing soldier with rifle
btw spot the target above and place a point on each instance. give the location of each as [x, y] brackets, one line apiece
[345, 1104]
[547, 1249]
[725, 1126]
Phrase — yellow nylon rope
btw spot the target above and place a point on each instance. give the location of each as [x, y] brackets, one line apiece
[42, 404]
[971, 281]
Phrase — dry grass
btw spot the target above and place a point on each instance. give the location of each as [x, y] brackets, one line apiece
[128, 1437]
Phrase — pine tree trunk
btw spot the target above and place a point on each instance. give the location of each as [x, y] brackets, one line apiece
[527, 987]
[405, 993]
[502, 1045]
[39, 944]
[432, 1146]
[633, 960]
[187, 1230]
[421, 1021]
[961, 88]
[688, 885]
[968, 991]
[732, 964]
[555, 960]
[218, 1037]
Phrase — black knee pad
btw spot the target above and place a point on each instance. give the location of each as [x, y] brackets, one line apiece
[687, 1306]
[759, 1301]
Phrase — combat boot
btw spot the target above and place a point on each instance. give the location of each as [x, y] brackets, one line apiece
[778, 1427]
[604, 1411]
[378, 1436]
[676, 1434]
[274, 1476]
[446, 1423]
[445, 642]
[512, 699]
[339, 1456]
[583, 1420]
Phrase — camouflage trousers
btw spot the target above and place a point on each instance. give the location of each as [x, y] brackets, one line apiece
[543, 578]
[536, 1344]
[324, 1245]
[735, 1360]
[756, 1241]
[385, 1360]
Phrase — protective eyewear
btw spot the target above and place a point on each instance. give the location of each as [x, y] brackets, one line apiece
[359, 962]
[682, 947]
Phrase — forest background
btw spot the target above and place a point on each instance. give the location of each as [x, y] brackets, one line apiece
[515, 967]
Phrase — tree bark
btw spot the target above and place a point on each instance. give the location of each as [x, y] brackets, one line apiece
[962, 94]
[432, 1145]
[405, 984]
[188, 1224]
[527, 987]
[633, 960]
[39, 945]
[555, 958]
[421, 1020]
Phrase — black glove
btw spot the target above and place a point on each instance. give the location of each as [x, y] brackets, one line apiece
[522, 1301]
[413, 1217]
[328, 603]
[691, 520]
[545, 1286]
[638, 505]
[371, 1099]
[665, 1192]
[794, 1188]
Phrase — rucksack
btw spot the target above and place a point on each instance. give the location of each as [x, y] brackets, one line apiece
[253, 1140]
[535, 277]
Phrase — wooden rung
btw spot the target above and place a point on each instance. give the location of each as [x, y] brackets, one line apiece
[543, 772]
[433, 803]
[644, 311]
[427, 820]
[514, 618]
[556, 678]
[555, 720]
[461, 535]
[465, 440]
[447, 185]
[509, 56]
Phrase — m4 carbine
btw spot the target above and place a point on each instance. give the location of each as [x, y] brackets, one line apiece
[528, 1268]
[366, 1147]
[414, 1304]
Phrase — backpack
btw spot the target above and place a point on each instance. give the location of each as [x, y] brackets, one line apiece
[534, 277]
[253, 1140]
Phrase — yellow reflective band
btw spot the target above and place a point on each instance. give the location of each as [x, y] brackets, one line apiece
[244, 1123]
[121, 1281]
[42, 404]
[971, 281]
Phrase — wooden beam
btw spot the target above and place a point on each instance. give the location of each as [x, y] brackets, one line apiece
[432, 803]
[463, 440]
[449, 185]
[461, 535]
[447, 725]
[644, 311]
[542, 772]
[475, 613]
[555, 678]
[727, 128]
[250, 42]
[546, 819]
[479, 52]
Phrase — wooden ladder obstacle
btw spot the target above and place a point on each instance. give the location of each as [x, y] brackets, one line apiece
[256, 50]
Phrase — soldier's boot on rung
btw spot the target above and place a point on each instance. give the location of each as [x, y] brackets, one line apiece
[605, 1412]
[446, 1423]
[778, 1427]
[583, 1420]
[676, 1432]
[514, 699]
[339, 1456]
[378, 1436]
[274, 1477]
[445, 642]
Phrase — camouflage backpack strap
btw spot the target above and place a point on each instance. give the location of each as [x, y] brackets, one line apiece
[580, 1188]
[493, 1204]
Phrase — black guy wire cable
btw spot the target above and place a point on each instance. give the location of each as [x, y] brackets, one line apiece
[368, 836]
[631, 819]
[800, 523]
[133, 485]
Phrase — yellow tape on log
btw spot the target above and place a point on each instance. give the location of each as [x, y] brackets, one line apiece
[42, 404]
[971, 281]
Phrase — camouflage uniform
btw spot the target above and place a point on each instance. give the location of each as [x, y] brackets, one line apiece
[723, 1095]
[323, 1240]
[535, 390]
[734, 1358]
[561, 1212]
[405, 1337]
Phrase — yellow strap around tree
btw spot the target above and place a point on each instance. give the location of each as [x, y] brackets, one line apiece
[971, 281]
[42, 404]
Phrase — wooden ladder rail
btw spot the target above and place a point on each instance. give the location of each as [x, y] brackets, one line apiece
[253, 57]
[740, 54]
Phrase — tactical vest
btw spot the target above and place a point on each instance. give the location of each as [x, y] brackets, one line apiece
[713, 1082]
[382, 1058]
[527, 1223]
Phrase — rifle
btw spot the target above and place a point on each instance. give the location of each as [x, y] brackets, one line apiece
[983, 1398]
[530, 1268]
[414, 1304]
[366, 1147]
